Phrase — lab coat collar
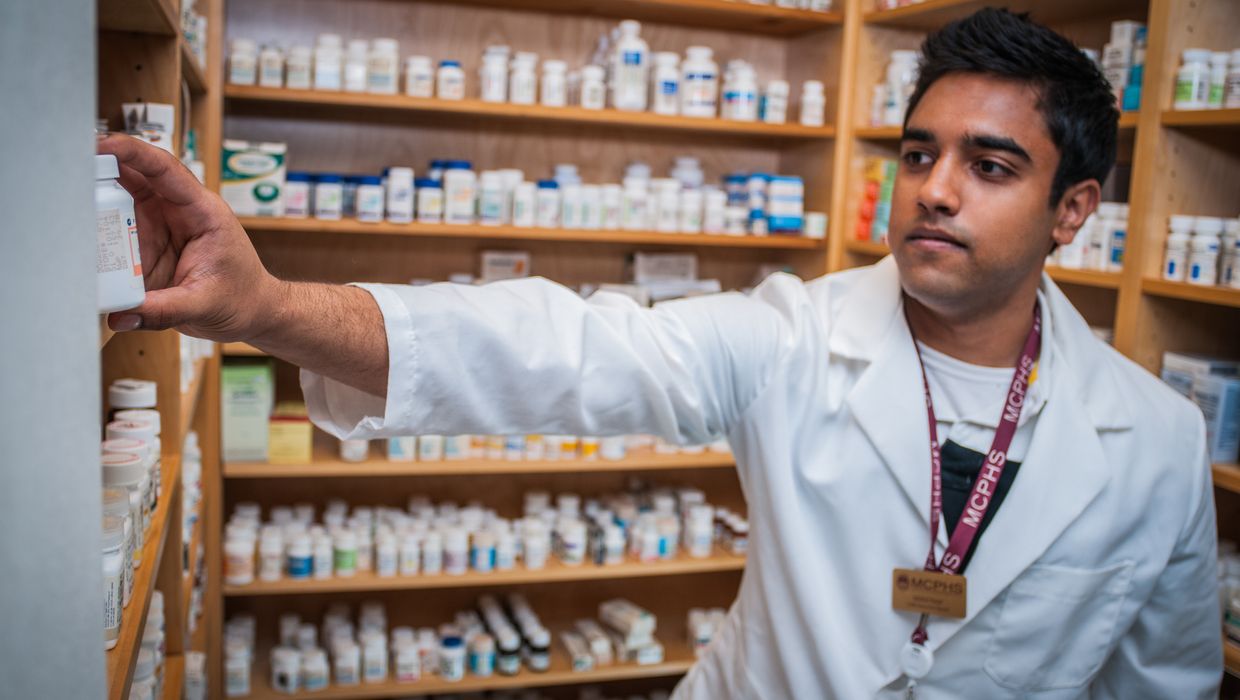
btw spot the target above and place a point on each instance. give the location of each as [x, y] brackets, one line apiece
[1064, 469]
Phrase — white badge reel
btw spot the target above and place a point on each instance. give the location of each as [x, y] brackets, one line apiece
[916, 660]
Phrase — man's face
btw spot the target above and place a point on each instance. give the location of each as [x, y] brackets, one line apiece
[970, 214]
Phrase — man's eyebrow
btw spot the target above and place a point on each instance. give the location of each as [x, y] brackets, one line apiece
[915, 134]
[990, 142]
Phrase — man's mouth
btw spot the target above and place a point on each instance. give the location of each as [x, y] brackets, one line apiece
[934, 238]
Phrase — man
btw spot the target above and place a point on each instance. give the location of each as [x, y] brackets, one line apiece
[1086, 476]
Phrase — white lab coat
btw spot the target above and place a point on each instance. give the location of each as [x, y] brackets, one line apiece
[1095, 579]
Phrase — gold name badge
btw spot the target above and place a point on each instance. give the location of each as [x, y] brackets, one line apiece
[929, 593]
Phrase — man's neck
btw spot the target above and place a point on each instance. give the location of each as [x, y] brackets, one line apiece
[990, 337]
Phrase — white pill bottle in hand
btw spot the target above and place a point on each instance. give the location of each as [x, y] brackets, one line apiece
[118, 262]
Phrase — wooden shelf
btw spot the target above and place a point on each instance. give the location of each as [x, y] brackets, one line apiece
[189, 401]
[555, 572]
[512, 233]
[360, 102]
[872, 248]
[174, 677]
[1084, 278]
[122, 657]
[240, 350]
[932, 14]
[1220, 296]
[1231, 657]
[327, 464]
[191, 70]
[1128, 120]
[1224, 118]
[105, 332]
[142, 16]
[1227, 476]
[678, 660]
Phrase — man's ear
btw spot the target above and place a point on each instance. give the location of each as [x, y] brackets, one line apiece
[1078, 202]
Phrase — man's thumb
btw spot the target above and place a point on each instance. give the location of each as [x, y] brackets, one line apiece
[162, 308]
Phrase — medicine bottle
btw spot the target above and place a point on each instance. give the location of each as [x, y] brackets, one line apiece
[355, 61]
[493, 77]
[239, 543]
[1192, 81]
[524, 203]
[554, 84]
[383, 67]
[127, 471]
[432, 553]
[666, 220]
[118, 263]
[271, 67]
[297, 199]
[548, 204]
[354, 450]
[690, 221]
[386, 555]
[699, 86]
[299, 68]
[327, 63]
[116, 505]
[523, 81]
[813, 104]
[113, 578]
[570, 213]
[451, 658]
[593, 88]
[491, 199]
[300, 559]
[270, 555]
[635, 206]
[430, 201]
[419, 76]
[344, 553]
[456, 552]
[630, 66]
[1229, 252]
[774, 106]
[370, 199]
[508, 659]
[665, 83]
[243, 62]
[538, 650]
[347, 669]
[314, 669]
[459, 190]
[1231, 99]
[407, 661]
[450, 81]
[1175, 260]
[482, 655]
[1218, 79]
[1203, 251]
[285, 670]
[400, 194]
[328, 196]
[740, 93]
[322, 555]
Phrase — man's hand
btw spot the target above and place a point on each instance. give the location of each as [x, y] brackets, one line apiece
[203, 276]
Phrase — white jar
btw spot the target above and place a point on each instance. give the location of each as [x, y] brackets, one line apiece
[1229, 253]
[116, 504]
[612, 200]
[113, 547]
[451, 659]
[459, 190]
[314, 670]
[370, 199]
[387, 559]
[667, 206]
[347, 666]
[399, 195]
[383, 67]
[430, 201]
[570, 206]
[1175, 258]
[547, 212]
[1216, 93]
[490, 198]
[524, 204]
[299, 562]
[901, 78]
[691, 211]
[1192, 81]
[456, 552]
[355, 62]
[774, 106]
[432, 553]
[239, 556]
[591, 207]
[243, 62]
[328, 197]
[635, 204]
[665, 83]
[410, 555]
[407, 662]
[493, 78]
[1231, 98]
[450, 81]
[270, 556]
[630, 66]
[285, 670]
[554, 84]
[740, 94]
[118, 264]
[813, 104]
[327, 67]
[714, 205]
[322, 556]
[419, 77]
[593, 88]
[1203, 260]
[573, 543]
[297, 200]
[344, 553]
[271, 67]
[523, 82]
[699, 85]
[299, 69]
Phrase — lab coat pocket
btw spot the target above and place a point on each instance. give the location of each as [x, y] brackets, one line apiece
[1055, 626]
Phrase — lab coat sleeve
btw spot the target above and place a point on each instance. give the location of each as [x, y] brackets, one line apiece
[531, 356]
[1174, 649]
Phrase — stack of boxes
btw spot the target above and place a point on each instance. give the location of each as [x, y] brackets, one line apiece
[874, 213]
[1214, 385]
[1123, 63]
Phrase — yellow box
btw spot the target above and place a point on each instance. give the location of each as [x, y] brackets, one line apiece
[290, 435]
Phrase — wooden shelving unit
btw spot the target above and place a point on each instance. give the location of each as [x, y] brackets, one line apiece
[1203, 118]
[1084, 278]
[555, 572]
[138, 16]
[1231, 657]
[195, 74]
[174, 677]
[1218, 296]
[358, 102]
[515, 234]
[1227, 476]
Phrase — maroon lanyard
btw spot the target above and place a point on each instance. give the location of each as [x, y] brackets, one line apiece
[985, 486]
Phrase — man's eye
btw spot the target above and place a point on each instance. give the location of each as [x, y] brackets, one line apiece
[992, 169]
[917, 158]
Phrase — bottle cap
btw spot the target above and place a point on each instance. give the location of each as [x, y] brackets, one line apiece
[106, 167]
[131, 393]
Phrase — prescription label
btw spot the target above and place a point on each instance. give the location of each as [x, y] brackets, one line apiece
[118, 242]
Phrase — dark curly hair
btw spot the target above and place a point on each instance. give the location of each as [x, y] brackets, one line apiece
[1075, 99]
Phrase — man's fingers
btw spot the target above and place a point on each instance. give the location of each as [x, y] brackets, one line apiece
[163, 173]
[163, 308]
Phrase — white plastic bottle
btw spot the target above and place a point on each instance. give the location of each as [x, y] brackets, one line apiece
[490, 198]
[370, 199]
[524, 203]
[570, 205]
[1231, 99]
[299, 69]
[419, 77]
[355, 59]
[630, 66]
[270, 67]
[450, 81]
[1192, 81]
[493, 78]
[699, 85]
[523, 81]
[740, 94]
[1203, 251]
[665, 83]
[774, 107]
[547, 212]
[1216, 94]
[593, 88]
[813, 104]
[554, 84]
[327, 63]
[383, 67]
[243, 62]
[460, 186]
[1175, 260]
[118, 262]
[400, 195]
